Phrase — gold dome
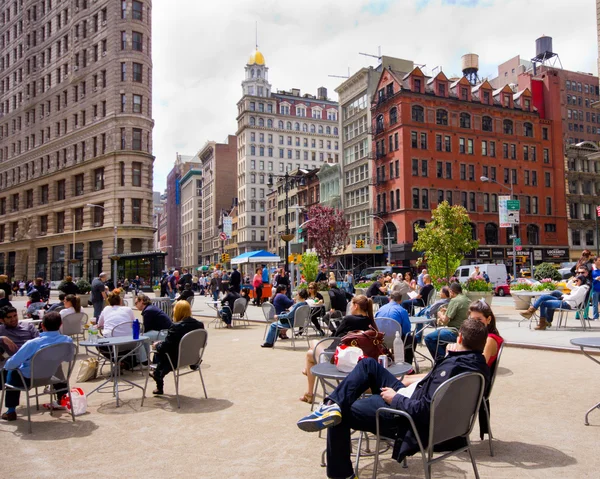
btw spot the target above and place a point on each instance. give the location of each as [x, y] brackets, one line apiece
[256, 58]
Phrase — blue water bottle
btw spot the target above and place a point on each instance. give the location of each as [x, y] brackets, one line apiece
[136, 329]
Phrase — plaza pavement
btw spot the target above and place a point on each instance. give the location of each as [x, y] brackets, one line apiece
[247, 427]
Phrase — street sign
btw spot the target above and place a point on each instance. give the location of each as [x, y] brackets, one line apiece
[518, 248]
[513, 204]
[598, 211]
[512, 236]
[222, 236]
[508, 215]
[517, 241]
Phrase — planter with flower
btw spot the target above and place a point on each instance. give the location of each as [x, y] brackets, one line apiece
[546, 285]
[361, 288]
[521, 302]
[156, 290]
[478, 288]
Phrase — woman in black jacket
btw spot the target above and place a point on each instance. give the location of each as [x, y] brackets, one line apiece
[68, 287]
[360, 319]
[183, 323]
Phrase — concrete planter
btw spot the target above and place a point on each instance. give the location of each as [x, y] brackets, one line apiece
[326, 300]
[84, 298]
[477, 295]
[157, 293]
[358, 291]
[521, 302]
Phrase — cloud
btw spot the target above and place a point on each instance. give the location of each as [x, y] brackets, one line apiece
[200, 49]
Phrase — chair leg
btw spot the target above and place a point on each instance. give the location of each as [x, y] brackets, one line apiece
[29, 411]
[202, 379]
[375, 458]
[37, 402]
[490, 436]
[358, 448]
[426, 466]
[70, 401]
[472, 459]
[176, 379]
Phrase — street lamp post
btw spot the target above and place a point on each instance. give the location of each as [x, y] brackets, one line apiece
[92, 205]
[513, 230]
[389, 238]
[288, 181]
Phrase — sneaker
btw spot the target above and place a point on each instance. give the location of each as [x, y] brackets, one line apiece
[324, 417]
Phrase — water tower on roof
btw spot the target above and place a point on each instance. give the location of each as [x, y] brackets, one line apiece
[544, 54]
[470, 67]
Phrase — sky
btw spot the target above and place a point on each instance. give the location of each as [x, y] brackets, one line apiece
[200, 49]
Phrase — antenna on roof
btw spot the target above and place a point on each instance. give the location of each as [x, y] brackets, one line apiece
[340, 76]
[374, 56]
[256, 34]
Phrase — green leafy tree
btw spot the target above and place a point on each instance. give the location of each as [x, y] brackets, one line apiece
[310, 266]
[546, 271]
[445, 240]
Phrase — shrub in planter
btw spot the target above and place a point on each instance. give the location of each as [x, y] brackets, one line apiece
[521, 287]
[545, 285]
[546, 271]
[478, 285]
[84, 286]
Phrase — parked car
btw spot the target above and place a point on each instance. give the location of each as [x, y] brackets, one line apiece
[504, 288]
[369, 274]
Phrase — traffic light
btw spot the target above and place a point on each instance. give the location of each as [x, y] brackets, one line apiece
[360, 243]
[225, 258]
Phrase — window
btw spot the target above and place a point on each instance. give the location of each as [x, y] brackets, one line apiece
[441, 117]
[533, 234]
[547, 180]
[549, 206]
[528, 129]
[491, 233]
[508, 127]
[60, 190]
[423, 141]
[393, 116]
[44, 194]
[424, 168]
[463, 172]
[544, 133]
[484, 148]
[470, 146]
[78, 185]
[438, 142]
[448, 170]
[137, 11]
[487, 123]
[415, 198]
[123, 71]
[137, 139]
[136, 211]
[465, 120]
[137, 104]
[137, 41]
[505, 150]
[136, 173]
[418, 114]
[439, 169]
[416, 85]
[442, 89]
[415, 167]
[98, 179]
[425, 198]
[137, 72]
[414, 141]
[461, 145]
[546, 155]
[448, 144]
[123, 40]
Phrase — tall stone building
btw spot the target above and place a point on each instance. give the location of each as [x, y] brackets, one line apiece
[277, 133]
[191, 218]
[75, 129]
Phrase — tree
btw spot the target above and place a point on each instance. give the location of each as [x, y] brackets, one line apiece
[445, 239]
[327, 231]
[546, 271]
[310, 266]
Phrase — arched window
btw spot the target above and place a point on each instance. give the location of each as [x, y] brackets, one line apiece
[379, 126]
[270, 123]
[487, 124]
[312, 128]
[288, 125]
[533, 234]
[392, 230]
[418, 114]
[508, 127]
[465, 120]
[491, 233]
[335, 130]
[261, 122]
[441, 117]
[304, 127]
[417, 224]
[328, 130]
[252, 121]
[258, 73]
[393, 116]
[321, 129]
[253, 73]
[297, 126]
[528, 129]
[280, 124]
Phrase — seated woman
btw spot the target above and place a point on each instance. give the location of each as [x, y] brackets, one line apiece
[35, 304]
[72, 305]
[155, 319]
[186, 293]
[281, 302]
[68, 286]
[360, 318]
[315, 312]
[114, 315]
[547, 303]
[183, 323]
[226, 311]
[421, 298]
[285, 320]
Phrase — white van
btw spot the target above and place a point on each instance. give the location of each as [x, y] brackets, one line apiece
[496, 272]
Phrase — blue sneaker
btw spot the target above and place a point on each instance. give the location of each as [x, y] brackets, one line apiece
[325, 416]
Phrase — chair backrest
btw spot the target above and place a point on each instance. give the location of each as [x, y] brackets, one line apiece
[190, 299]
[165, 305]
[239, 306]
[47, 361]
[389, 327]
[73, 323]
[454, 407]
[302, 317]
[191, 348]
[431, 297]
[348, 308]
[269, 311]
[494, 370]
[320, 354]
[123, 329]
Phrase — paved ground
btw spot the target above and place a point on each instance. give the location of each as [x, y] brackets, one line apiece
[246, 429]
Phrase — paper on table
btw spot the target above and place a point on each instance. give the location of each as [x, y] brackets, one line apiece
[412, 294]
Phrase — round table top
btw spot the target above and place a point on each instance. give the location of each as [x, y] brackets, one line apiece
[114, 341]
[593, 342]
[529, 293]
[330, 371]
[315, 305]
[419, 319]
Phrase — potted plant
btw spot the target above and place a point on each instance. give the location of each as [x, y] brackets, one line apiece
[156, 289]
[84, 291]
[361, 288]
[323, 288]
[478, 288]
[521, 302]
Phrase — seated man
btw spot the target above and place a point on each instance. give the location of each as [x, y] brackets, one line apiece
[394, 311]
[547, 303]
[432, 311]
[343, 409]
[453, 317]
[281, 302]
[186, 293]
[421, 299]
[22, 358]
[226, 312]
[339, 302]
[377, 292]
[285, 320]
[3, 299]
[58, 307]
[14, 334]
[35, 305]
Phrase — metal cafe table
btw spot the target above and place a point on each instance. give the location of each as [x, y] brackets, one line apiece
[591, 343]
[113, 345]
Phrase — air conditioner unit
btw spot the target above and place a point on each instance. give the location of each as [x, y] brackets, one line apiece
[95, 88]
[82, 96]
[75, 68]
[76, 39]
[97, 224]
[76, 9]
[104, 23]
[104, 54]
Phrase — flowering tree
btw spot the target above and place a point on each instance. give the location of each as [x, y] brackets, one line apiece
[327, 231]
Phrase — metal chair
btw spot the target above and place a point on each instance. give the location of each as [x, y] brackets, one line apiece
[73, 325]
[191, 350]
[322, 355]
[47, 369]
[190, 300]
[165, 304]
[123, 329]
[428, 301]
[581, 313]
[388, 327]
[239, 311]
[453, 410]
[269, 312]
[302, 323]
[488, 393]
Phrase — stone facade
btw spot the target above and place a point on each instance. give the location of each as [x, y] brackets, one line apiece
[191, 219]
[75, 129]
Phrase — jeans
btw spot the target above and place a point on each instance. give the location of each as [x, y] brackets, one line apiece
[171, 294]
[98, 307]
[431, 340]
[358, 413]
[380, 300]
[547, 297]
[226, 314]
[595, 299]
[258, 295]
[215, 295]
[281, 324]
[14, 378]
[547, 308]
[410, 304]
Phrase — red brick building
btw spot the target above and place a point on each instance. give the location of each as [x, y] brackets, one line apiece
[435, 137]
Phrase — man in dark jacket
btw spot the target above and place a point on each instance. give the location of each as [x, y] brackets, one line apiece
[170, 347]
[235, 281]
[155, 319]
[186, 278]
[343, 409]
[226, 311]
